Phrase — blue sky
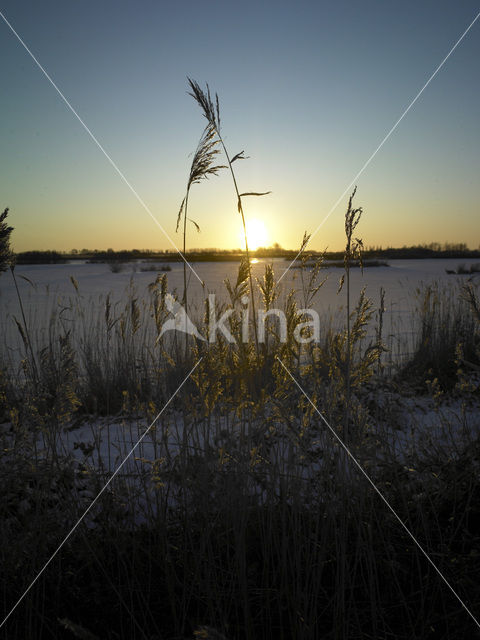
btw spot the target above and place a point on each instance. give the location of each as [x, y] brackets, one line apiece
[307, 89]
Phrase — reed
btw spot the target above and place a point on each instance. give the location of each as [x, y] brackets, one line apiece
[447, 321]
[6, 254]
[353, 250]
[211, 112]
[202, 167]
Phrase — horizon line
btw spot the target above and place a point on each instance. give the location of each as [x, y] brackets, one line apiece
[432, 246]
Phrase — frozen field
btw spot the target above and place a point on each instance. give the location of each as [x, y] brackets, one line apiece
[50, 290]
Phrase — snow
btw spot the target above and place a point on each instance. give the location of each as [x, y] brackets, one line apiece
[53, 292]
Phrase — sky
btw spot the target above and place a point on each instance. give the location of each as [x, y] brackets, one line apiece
[307, 89]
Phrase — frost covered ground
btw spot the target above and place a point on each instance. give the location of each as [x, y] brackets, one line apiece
[50, 288]
[403, 427]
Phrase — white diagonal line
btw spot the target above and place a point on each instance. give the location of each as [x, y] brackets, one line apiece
[92, 136]
[365, 474]
[94, 501]
[347, 189]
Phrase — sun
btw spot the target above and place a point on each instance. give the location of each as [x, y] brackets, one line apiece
[257, 234]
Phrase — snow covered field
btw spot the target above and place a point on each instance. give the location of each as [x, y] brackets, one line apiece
[52, 288]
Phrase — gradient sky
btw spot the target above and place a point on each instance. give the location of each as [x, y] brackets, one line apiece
[307, 89]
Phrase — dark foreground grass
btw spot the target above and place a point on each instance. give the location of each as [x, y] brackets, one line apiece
[320, 561]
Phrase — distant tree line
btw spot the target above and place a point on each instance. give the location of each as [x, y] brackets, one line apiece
[40, 257]
[432, 250]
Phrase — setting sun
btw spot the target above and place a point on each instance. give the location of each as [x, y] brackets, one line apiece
[257, 234]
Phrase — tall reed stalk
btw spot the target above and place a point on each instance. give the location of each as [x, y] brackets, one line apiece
[212, 114]
[6, 255]
[24, 332]
[7, 261]
[201, 168]
[353, 250]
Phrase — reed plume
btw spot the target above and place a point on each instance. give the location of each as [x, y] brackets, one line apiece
[6, 255]
[211, 111]
[353, 250]
[202, 167]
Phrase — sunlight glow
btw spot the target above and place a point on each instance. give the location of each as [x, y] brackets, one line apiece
[257, 234]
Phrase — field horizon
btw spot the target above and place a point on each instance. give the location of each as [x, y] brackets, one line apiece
[431, 250]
